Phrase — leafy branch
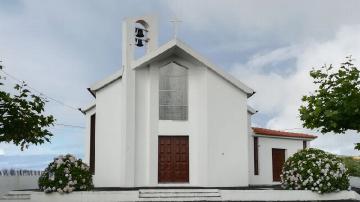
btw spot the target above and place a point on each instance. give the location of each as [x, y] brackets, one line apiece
[335, 105]
[22, 121]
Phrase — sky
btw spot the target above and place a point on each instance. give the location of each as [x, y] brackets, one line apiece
[62, 47]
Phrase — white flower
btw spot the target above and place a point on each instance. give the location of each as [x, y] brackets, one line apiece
[72, 159]
[51, 176]
[48, 190]
[66, 170]
[59, 162]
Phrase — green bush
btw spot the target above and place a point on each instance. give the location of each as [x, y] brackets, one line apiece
[66, 174]
[353, 165]
[316, 170]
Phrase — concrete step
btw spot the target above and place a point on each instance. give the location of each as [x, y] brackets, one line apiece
[178, 193]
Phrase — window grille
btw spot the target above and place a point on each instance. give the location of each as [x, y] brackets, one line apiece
[173, 92]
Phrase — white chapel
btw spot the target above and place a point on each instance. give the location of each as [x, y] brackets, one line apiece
[172, 118]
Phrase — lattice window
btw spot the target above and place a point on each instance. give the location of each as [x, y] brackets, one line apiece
[173, 92]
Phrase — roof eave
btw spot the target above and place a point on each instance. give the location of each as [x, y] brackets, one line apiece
[92, 92]
[84, 110]
[251, 110]
[107, 81]
[284, 137]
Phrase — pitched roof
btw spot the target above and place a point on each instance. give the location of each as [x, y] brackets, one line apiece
[277, 133]
[87, 108]
[177, 46]
[174, 46]
[106, 81]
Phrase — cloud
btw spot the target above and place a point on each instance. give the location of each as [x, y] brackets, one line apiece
[62, 47]
[279, 93]
[262, 23]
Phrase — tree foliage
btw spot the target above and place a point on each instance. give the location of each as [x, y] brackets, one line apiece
[22, 121]
[335, 104]
[352, 164]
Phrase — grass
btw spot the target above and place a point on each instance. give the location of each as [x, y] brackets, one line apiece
[352, 164]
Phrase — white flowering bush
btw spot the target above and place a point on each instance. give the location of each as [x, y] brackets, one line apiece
[66, 174]
[315, 170]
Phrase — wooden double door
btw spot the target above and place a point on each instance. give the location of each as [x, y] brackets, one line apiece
[278, 160]
[173, 159]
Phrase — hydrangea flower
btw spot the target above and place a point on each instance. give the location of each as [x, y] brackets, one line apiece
[66, 174]
[316, 170]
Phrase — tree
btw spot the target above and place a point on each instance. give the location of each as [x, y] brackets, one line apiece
[22, 121]
[335, 104]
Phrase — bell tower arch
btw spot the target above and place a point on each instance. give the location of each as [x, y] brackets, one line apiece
[132, 27]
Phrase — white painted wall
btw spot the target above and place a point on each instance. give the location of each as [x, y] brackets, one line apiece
[142, 132]
[109, 155]
[266, 144]
[149, 127]
[227, 131]
[8, 183]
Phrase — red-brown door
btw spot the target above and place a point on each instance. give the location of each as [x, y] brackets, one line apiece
[278, 160]
[173, 160]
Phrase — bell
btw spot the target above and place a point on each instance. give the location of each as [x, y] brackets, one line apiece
[139, 32]
[139, 42]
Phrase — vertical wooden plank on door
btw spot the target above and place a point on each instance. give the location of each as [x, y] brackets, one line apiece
[92, 144]
[278, 160]
[256, 156]
[181, 159]
[164, 159]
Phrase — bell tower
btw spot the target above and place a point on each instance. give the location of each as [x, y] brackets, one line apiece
[138, 33]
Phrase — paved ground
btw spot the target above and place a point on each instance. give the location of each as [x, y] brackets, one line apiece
[355, 181]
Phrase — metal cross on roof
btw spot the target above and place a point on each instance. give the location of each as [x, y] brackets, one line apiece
[175, 21]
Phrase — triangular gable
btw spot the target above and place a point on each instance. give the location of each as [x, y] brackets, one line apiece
[178, 46]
